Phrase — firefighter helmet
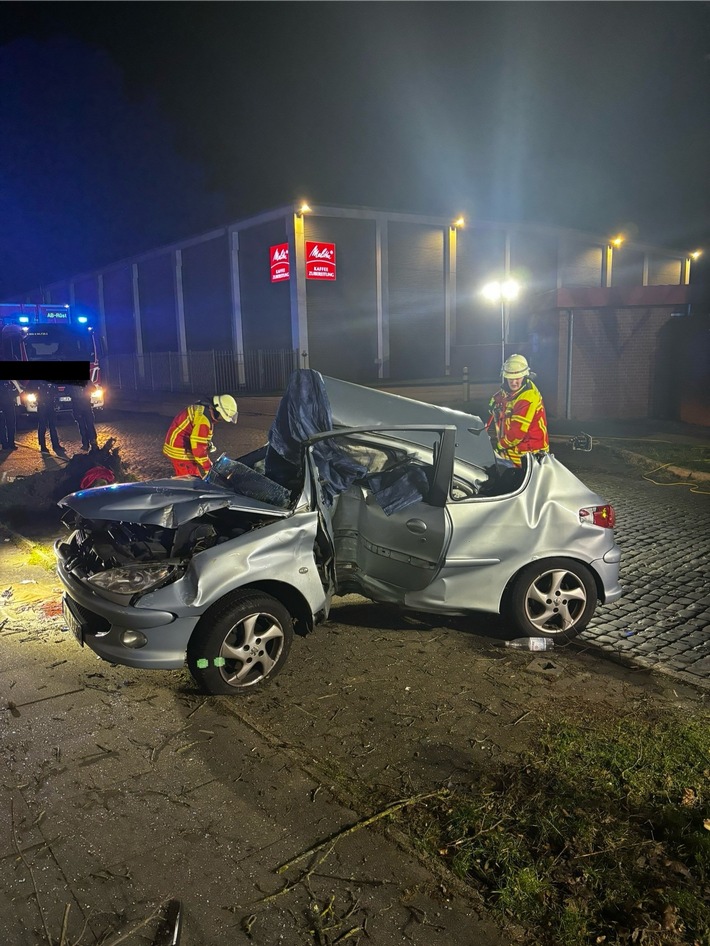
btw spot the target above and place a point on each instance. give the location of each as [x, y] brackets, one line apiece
[515, 366]
[226, 407]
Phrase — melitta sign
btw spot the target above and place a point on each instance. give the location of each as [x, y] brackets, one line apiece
[280, 268]
[320, 260]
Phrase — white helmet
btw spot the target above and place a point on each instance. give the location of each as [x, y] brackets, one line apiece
[515, 366]
[226, 407]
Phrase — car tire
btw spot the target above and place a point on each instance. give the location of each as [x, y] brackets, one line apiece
[240, 644]
[555, 597]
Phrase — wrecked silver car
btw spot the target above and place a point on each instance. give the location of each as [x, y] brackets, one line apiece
[356, 491]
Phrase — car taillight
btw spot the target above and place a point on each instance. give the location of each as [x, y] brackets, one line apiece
[603, 516]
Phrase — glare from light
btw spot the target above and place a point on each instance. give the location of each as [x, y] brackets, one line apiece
[458, 223]
[505, 291]
[23, 318]
[492, 291]
[82, 319]
[696, 253]
[617, 241]
[305, 209]
[510, 289]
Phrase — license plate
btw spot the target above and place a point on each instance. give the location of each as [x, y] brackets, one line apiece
[73, 622]
[65, 399]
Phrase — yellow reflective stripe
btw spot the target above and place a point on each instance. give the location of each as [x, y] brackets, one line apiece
[176, 453]
[180, 429]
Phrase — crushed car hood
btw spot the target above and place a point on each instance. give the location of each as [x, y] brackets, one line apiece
[166, 502]
[355, 406]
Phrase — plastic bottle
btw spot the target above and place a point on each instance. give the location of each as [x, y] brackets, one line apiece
[531, 643]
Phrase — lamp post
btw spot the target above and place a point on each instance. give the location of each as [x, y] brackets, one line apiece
[503, 291]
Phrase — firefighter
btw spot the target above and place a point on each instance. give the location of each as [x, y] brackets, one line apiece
[518, 413]
[8, 419]
[189, 436]
[83, 412]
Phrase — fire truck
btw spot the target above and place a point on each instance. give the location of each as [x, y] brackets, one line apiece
[52, 333]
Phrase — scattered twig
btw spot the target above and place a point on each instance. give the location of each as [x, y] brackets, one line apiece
[158, 749]
[65, 923]
[122, 937]
[198, 707]
[29, 870]
[303, 710]
[43, 698]
[520, 718]
[304, 879]
[351, 932]
[385, 813]
[188, 745]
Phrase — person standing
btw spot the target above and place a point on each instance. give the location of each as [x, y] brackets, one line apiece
[190, 434]
[518, 412]
[83, 412]
[46, 419]
[8, 418]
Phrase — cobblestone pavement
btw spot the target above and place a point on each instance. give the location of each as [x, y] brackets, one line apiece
[663, 620]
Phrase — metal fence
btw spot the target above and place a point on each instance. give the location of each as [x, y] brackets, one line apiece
[257, 372]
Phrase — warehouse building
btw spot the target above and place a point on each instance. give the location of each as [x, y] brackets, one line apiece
[378, 297]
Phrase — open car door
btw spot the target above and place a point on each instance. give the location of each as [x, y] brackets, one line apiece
[390, 527]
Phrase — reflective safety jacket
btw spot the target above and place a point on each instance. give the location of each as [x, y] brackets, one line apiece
[189, 436]
[520, 422]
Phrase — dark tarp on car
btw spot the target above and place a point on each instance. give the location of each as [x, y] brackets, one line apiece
[303, 413]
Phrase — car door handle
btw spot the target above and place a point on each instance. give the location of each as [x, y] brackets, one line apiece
[417, 526]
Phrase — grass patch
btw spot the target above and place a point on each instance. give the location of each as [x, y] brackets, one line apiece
[694, 457]
[601, 834]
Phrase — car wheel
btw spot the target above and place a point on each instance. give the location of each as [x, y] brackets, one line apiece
[552, 598]
[240, 644]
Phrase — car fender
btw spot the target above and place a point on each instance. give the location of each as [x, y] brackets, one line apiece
[281, 552]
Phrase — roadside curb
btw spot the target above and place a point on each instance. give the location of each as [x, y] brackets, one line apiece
[695, 476]
[641, 663]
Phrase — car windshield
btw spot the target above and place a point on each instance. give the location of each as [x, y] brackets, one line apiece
[58, 343]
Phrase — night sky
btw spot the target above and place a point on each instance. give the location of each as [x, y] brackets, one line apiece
[127, 125]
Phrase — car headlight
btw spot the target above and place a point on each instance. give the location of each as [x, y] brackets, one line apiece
[131, 579]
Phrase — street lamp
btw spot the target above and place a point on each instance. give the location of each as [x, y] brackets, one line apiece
[503, 291]
[691, 256]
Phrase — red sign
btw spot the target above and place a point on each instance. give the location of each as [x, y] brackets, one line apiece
[320, 260]
[280, 268]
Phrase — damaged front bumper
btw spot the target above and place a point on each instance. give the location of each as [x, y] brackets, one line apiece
[113, 630]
